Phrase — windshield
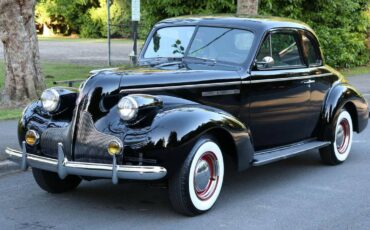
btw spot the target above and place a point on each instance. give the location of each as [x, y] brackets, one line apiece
[221, 44]
[169, 42]
[209, 43]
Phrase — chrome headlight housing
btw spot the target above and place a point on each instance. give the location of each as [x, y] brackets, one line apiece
[50, 100]
[136, 107]
[128, 108]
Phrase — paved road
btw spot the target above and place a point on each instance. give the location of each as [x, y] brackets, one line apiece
[82, 52]
[298, 193]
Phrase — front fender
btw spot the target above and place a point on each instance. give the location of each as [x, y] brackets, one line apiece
[36, 118]
[175, 130]
[345, 95]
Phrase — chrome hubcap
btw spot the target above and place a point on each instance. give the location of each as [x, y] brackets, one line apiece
[206, 176]
[342, 136]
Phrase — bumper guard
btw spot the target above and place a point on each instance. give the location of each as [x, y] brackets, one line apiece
[64, 167]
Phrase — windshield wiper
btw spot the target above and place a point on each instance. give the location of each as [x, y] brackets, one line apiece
[162, 60]
[200, 60]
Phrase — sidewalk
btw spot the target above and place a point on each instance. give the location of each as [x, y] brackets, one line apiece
[8, 138]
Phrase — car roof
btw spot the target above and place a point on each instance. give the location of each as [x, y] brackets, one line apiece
[241, 21]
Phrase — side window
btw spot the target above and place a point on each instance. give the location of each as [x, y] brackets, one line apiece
[282, 48]
[265, 50]
[311, 51]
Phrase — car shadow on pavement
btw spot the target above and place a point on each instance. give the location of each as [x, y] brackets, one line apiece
[136, 197]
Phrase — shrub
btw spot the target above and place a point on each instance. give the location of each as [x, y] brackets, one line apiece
[90, 28]
[156, 10]
[340, 25]
[119, 18]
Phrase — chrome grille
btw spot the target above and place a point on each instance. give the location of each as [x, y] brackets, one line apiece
[49, 141]
[90, 144]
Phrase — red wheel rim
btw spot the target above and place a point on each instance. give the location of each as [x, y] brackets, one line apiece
[343, 135]
[206, 176]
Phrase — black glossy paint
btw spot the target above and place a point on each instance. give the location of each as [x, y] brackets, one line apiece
[228, 102]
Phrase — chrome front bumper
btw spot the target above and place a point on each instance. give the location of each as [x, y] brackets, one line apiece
[64, 167]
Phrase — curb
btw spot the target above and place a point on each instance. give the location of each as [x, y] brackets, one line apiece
[8, 166]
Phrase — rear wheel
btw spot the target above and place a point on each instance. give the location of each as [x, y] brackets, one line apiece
[196, 186]
[341, 133]
[50, 181]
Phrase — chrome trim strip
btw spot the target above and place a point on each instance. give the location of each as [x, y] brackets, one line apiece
[220, 92]
[192, 86]
[64, 167]
[287, 78]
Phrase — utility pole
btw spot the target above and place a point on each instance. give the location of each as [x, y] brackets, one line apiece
[135, 18]
[108, 34]
[134, 36]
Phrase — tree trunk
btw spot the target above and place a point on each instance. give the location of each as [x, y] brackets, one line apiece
[247, 7]
[23, 80]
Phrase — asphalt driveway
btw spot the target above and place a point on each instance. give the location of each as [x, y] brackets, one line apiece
[298, 193]
[82, 52]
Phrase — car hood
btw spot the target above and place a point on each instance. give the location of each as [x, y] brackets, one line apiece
[171, 75]
[150, 77]
[103, 90]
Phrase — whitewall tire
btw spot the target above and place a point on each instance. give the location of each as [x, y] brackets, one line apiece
[195, 188]
[341, 135]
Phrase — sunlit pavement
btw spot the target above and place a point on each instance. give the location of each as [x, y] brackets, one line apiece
[82, 52]
[298, 193]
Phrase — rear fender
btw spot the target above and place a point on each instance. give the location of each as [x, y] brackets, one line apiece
[346, 96]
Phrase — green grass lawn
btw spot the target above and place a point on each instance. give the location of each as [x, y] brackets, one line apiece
[57, 72]
[52, 72]
[62, 72]
[6, 114]
[356, 71]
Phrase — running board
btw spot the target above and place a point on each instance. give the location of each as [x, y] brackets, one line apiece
[265, 157]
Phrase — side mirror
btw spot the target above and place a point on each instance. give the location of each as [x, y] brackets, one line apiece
[267, 62]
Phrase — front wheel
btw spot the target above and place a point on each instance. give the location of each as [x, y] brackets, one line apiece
[195, 187]
[341, 134]
[50, 181]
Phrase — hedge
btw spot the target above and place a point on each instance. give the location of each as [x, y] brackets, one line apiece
[341, 25]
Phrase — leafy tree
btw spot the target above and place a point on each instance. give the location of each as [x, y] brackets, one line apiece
[71, 12]
[156, 10]
[340, 25]
[95, 21]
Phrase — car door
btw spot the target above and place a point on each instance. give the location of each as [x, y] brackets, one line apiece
[278, 92]
[320, 81]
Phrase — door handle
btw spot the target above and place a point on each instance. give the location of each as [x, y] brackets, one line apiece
[308, 81]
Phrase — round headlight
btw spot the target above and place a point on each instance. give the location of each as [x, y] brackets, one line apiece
[128, 108]
[50, 100]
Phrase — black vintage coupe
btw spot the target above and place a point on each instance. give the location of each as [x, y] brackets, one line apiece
[256, 90]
